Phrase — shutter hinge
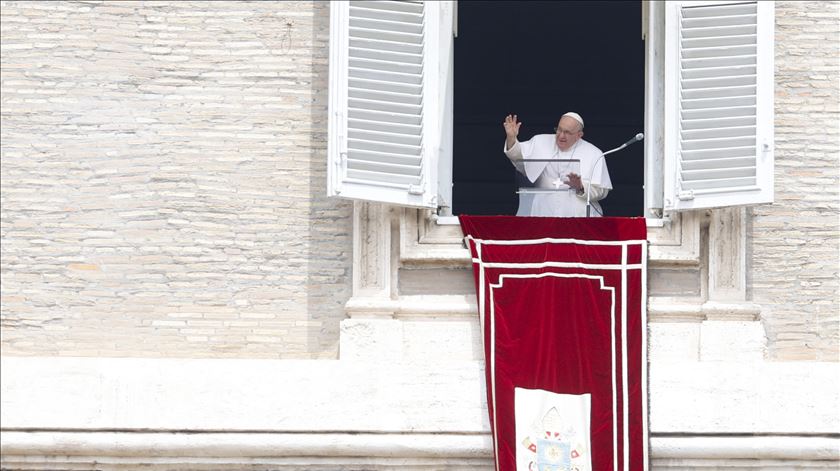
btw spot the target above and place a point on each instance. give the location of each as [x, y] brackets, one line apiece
[415, 190]
[341, 162]
[685, 195]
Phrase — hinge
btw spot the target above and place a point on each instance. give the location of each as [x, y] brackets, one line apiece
[415, 190]
[686, 195]
[341, 161]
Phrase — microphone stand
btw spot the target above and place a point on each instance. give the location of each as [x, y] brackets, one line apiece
[588, 189]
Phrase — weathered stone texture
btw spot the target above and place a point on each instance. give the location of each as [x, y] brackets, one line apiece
[795, 243]
[163, 174]
[163, 181]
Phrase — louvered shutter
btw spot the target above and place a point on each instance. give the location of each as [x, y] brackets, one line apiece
[383, 76]
[718, 104]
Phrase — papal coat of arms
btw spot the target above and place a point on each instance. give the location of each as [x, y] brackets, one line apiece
[552, 431]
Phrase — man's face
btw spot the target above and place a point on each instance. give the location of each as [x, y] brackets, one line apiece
[568, 132]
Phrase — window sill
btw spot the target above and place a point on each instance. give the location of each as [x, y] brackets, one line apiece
[453, 221]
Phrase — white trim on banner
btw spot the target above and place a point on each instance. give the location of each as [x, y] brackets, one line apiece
[603, 287]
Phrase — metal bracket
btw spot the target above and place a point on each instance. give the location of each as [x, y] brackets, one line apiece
[686, 195]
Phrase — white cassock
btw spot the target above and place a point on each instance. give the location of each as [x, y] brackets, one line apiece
[549, 175]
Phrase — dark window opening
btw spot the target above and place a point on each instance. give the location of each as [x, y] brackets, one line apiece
[539, 60]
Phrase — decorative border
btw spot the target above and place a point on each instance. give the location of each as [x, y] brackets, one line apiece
[611, 290]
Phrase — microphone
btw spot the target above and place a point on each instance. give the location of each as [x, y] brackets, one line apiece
[638, 137]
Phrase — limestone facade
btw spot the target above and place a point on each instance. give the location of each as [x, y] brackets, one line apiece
[163, 199]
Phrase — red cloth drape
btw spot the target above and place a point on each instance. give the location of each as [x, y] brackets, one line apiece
[562, 306]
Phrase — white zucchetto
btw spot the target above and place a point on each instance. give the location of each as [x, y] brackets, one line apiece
[575, 117]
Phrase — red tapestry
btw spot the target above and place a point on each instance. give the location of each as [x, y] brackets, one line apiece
[562, 309]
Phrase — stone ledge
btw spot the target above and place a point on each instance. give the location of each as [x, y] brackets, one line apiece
[744, 398]
[673, 310]
[111, 450]
[420, 306]
[769, 447]
[294, 396]
[246, 445]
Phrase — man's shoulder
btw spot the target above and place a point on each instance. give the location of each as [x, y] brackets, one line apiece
[540, 141]
[588, 147]
[543, 138]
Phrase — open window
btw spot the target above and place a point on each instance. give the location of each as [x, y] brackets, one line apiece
[706, 97]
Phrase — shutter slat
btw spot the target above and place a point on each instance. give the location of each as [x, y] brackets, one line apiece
[731, 92]
[744, 131]
[398, 57]
[385, 46]
[722, 173]
[718, 143]
[381, 35]
[412, 30]
[378, 136]
[714, 154]
[385, 66]
[725, 51]
[383, 116]
[711, 113]
[712, 72]
[390, 127]
[718, 41]
[359, 163]
[689, 124]
[717, 21]
[383, 76]
[719, 10]
[397, 6]
[360, 11]
[711, 62]
[720, 103]
[383, 177]
[730, 81]
[373, 105]
[407, 153]
[729, 184]
[721, 31]
[385, 87]
[367, 94]
[717, 163]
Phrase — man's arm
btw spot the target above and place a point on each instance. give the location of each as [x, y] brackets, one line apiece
[595, 192]
[511, 130]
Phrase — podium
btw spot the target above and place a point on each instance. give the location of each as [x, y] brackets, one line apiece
[527, 190]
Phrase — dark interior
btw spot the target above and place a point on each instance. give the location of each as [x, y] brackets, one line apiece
[539, 60]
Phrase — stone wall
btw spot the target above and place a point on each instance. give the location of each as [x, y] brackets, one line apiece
[795, 243]
[164, 181]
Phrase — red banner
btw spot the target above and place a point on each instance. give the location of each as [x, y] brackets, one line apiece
[562, 306]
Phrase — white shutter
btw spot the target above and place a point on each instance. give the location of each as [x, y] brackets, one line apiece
[383, 85]
[718, 104]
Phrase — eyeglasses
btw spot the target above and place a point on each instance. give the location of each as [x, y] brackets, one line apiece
[565, 132]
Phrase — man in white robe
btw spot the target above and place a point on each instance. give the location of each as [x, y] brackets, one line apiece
[568, 182]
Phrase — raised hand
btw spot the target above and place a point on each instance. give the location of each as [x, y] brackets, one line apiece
[511, 130]
[511, 126]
